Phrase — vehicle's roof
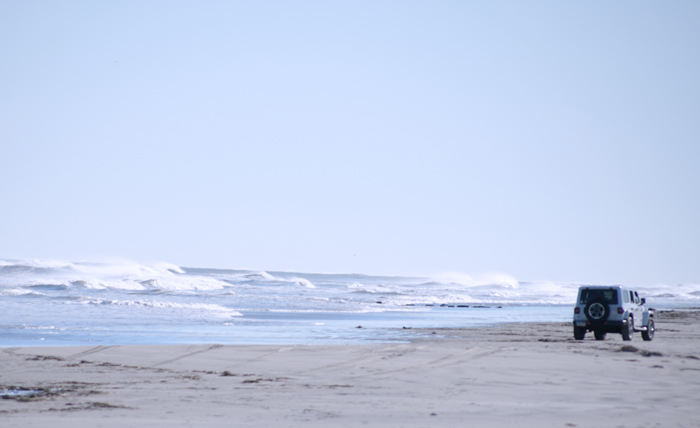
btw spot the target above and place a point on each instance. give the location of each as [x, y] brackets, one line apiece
[600, 286]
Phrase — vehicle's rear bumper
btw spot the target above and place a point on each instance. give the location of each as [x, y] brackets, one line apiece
[606, 326]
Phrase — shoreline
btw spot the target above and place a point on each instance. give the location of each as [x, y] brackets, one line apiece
[522, 374]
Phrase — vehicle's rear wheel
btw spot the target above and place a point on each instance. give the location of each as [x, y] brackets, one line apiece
[628, 330]
[599, 335]
[579, 333]
[649, 334]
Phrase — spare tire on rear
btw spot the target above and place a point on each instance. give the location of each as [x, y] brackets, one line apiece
[597, 311]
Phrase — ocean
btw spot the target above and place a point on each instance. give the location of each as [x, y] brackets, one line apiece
[54, 303]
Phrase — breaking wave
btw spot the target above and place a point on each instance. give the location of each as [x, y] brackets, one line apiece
[120, 274]
[298, 291]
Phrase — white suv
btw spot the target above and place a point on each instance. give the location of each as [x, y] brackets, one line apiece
[611, 309]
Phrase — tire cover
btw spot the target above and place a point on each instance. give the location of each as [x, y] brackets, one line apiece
[597, 311]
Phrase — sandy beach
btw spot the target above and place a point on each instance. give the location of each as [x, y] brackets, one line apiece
[515, 375]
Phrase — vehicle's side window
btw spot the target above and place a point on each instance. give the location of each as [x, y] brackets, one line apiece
[625, 296]
[631, 296]
[636, 298]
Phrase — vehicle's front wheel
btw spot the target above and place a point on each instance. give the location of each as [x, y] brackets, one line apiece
[599, 335]
[649, 334]
[579, 333]
[628, 330]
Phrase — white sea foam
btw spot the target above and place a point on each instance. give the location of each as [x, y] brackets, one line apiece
[37, 327]
[122, 274]
[265, 277]
[205, 307]
[493, 279]
[365, 310]
[35, 263]
[303, 282]
[686, 291]
[18, 292]
[259, 275]
[373, 289]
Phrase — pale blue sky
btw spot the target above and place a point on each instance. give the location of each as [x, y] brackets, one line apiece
[548, 140]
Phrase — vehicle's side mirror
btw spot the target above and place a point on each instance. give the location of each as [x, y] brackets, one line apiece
[644, 300]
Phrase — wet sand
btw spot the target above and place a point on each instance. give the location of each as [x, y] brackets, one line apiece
[515, 375]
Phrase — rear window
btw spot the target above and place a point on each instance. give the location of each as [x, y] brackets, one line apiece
[609, 295]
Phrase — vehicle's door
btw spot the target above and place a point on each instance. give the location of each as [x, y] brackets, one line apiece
[625, 303]
[638, 312]
[629, 304]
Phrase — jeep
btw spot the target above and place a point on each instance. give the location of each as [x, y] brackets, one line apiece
[611, 309]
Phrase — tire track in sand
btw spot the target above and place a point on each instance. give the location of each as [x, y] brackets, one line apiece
[189, 354]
